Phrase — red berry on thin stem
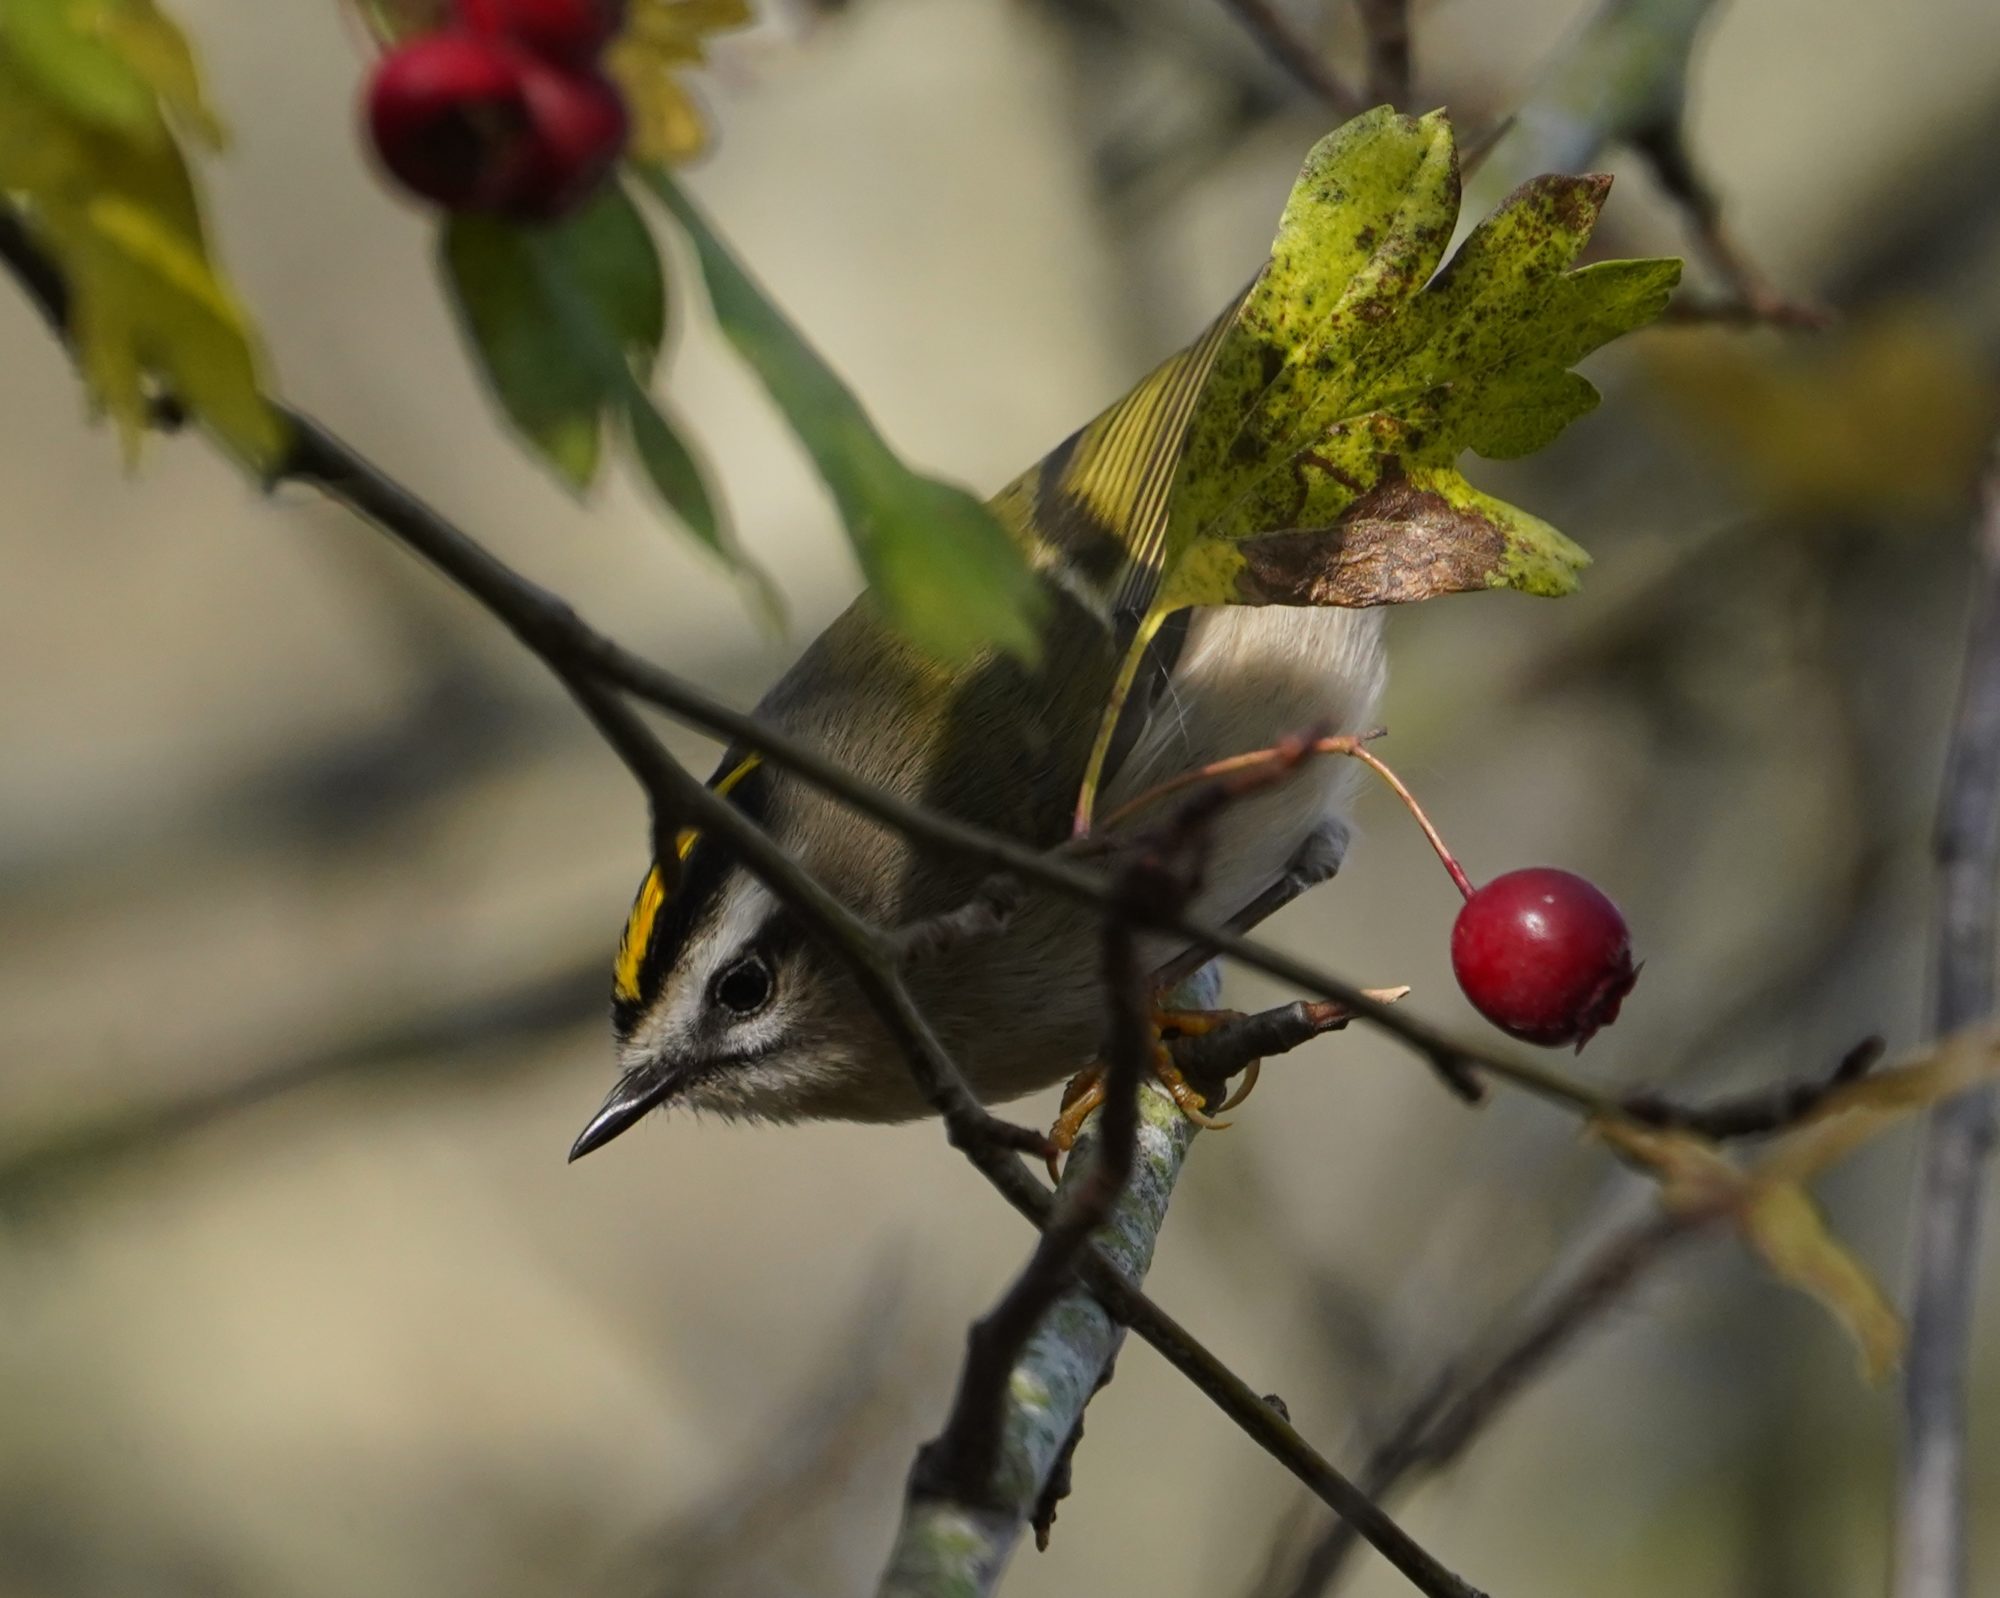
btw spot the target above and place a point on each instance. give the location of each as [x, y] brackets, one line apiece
[449, 117]
[572, 33]
[1543, 955]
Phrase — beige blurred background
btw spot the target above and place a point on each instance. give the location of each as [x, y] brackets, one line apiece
[308, 881]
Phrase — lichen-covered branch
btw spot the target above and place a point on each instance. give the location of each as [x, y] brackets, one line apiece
[948, 1548]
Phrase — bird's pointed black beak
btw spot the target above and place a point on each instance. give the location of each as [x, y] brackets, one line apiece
[640, 1091]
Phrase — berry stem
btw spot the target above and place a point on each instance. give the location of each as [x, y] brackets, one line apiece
[1288, 754]
[1450, 861]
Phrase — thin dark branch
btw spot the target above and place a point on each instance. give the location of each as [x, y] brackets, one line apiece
[1750, 299]
[1765, 309]
[1760, 1112]
[1931, 1559]
[1454, 1407]
[1279, 40]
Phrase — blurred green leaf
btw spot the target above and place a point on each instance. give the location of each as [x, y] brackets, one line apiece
[944, 572]
[519, 293]
[671, 467]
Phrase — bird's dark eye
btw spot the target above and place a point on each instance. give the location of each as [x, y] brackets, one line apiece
[744, 986]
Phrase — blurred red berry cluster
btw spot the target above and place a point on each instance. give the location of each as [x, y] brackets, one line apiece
[506, 110]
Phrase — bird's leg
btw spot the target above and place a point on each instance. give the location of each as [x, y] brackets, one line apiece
[1317, 859]
[1085, 1092]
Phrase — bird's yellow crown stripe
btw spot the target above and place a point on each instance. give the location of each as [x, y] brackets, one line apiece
[653, 896]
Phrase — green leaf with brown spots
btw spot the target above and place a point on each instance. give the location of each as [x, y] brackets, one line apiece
[1320, 464]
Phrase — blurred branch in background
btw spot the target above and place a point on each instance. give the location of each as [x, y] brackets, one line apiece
[1474, 1388]
[837, 1423]
[1931, 1552]
[1279, 39]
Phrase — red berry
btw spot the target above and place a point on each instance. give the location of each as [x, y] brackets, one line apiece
[1543, 954]
[449, 116]
[580, 127]
[571, 33]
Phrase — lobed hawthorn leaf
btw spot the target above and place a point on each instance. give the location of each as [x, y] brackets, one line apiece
[91, 93]
[1319, 466]
[943, 570]
[1357, 372]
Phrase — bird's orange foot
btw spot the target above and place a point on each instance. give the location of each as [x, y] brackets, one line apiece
[1085, 1092]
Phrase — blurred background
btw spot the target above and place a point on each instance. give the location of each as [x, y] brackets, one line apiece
[309, 880]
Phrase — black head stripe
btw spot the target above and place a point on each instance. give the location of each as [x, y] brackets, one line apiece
[695, 886]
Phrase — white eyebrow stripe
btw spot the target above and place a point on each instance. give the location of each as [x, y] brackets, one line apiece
[672, 1023]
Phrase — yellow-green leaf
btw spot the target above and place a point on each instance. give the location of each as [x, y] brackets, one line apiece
[149, 43]
[1779, 1221]
[60, 49]
[1785, 1227]
[88, 154]
[1320, 463]
[662, 38]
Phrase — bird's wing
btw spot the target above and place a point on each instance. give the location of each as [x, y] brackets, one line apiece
[1093, 511]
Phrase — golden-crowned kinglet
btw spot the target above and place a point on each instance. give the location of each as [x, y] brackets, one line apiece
[720, 1000]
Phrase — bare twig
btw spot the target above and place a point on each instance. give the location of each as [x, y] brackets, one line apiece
[1931, 1559]
[961, 1545]
[1274, 33]
[1758, 1113]
[1750, 298]
[1472, 1389]
[1767, 309]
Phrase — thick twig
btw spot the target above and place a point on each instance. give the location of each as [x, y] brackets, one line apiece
[1279, 40]
[1931, 1558]
[959, 1464]
[555, 634]
[948, 1545]
[1217, 1055]
[958, 1476]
